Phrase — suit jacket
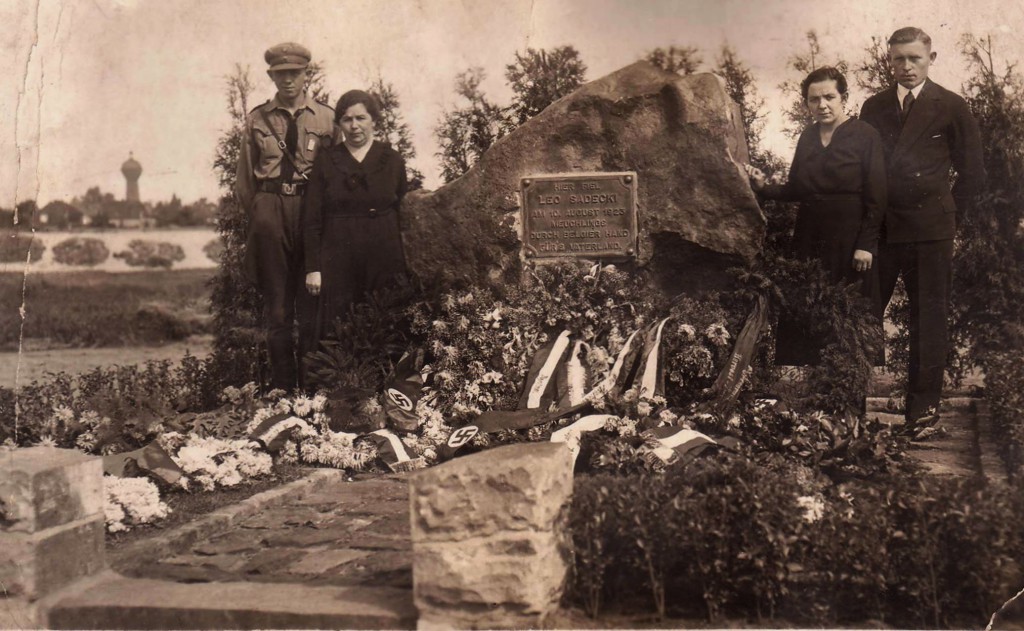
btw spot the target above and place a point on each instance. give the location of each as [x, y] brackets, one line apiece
[940, 133]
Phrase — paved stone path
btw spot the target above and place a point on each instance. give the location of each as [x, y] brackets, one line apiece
[343, 533]
[331, 553]
[964, 448]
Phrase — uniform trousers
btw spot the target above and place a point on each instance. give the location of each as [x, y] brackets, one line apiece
[926, 267]
[274, 262]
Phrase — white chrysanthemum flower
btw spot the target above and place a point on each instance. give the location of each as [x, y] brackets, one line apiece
[131, 501]
[814, 507]
[643, 408]
[717, 334]
[302, 406]
[687, 332]
[63, 414]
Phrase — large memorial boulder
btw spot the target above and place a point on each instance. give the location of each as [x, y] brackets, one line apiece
[682, 136]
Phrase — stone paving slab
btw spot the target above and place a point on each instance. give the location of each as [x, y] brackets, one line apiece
[338, 532]
[126, 603]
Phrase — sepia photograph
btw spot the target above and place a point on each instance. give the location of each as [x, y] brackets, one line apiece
[505, 314]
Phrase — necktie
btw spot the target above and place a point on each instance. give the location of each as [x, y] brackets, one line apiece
[291, 142]
[908, 102]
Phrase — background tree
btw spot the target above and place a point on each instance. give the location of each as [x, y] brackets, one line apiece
[682, 60]
[538, 78]
[316, 84]
[393, 130]
[796, 116]
[465, 133]
[874, 73]
[234, 300]
[988, 264]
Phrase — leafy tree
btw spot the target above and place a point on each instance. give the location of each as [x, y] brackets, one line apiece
[682, 60]
[316, 80]
[238, 88]
[988, 267]
[393, 129]
[538, 78]
[796, 114]
[874, 73]
[235, 302]
[465, 133]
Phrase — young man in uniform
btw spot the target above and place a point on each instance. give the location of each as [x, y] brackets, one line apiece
[282, 137]
[926, 131]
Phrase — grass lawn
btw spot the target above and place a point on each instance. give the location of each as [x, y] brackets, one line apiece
[95, 309]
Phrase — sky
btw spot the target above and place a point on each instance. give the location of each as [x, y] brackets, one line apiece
[93, 80]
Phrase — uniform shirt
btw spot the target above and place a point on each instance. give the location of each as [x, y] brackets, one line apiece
[260, 157]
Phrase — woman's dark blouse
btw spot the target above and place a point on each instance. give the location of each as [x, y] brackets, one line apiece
[340, 186]
[852, 164]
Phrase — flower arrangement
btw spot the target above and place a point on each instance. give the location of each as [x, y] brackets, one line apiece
[131, 502]
[215, 462]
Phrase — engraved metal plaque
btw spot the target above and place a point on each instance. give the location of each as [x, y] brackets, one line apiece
[580, 215]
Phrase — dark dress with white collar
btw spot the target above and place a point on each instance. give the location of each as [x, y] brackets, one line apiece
[351, 228]
[841, 189]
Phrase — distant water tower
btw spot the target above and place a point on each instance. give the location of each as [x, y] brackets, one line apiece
[131, 170]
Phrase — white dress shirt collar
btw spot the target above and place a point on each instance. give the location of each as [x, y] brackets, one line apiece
[901, 92]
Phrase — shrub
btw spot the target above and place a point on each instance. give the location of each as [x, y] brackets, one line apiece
[142, 253]
[726, 536]
[15, 247]
[214, 250]
[80, 251]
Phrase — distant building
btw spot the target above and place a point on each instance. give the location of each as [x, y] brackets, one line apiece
[60, 215]
[131, 170]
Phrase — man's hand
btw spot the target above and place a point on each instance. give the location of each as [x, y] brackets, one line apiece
[313, 283]
[861, 260]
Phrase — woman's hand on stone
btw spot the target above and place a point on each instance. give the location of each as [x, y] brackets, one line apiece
[757, 177]
[313, 283]
[862, 260]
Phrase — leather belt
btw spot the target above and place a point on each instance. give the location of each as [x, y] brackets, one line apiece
[283, 188]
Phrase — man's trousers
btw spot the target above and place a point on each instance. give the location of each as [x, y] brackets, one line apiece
[926, 267]
[274, 262]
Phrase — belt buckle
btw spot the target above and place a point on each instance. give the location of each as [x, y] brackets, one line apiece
[288, 189]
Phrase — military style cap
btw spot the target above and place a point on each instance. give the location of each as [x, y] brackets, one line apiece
[287, 56]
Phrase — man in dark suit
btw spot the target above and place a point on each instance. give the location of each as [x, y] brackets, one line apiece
[927, 131]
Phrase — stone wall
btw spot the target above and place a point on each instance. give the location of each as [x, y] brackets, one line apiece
[490, 537]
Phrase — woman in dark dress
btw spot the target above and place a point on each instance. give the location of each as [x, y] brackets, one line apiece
[838, 177]
[353, 244]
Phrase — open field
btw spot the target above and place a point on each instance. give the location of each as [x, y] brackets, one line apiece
[91, 309]
[34, 364]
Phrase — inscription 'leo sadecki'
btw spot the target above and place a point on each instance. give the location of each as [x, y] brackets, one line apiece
[586, 215]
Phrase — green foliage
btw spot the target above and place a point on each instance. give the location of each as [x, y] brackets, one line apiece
[796, 114]
[392, 128]
[724, 536]
[362, 349]
[838, 315]
[538, 78]
[236, 306]
[18, 248]
[144, 253]
[81, 251]
[988, 266]
[108, 409]
[465, 133]
[682, 60]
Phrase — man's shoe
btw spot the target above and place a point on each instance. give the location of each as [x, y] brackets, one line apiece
[922, 428]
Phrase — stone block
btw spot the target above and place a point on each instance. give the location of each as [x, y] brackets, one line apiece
[36, 564]
[44, 487]
[519, 487]
[490, 539]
